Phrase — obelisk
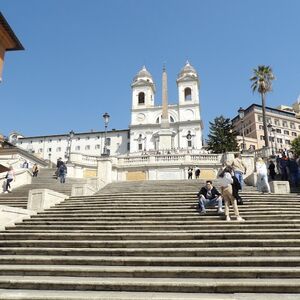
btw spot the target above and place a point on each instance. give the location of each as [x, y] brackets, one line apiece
[164, 115]
[165, 134]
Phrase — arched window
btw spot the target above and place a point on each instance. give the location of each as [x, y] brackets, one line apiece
[187, 94]
[141, 98]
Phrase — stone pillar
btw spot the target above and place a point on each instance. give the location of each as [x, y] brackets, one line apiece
[104, 171]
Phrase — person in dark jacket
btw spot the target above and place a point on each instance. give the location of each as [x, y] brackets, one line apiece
[209, 196]
[62, 172]
[293, 171]
[272, 171]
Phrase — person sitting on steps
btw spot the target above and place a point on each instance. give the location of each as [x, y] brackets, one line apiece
[209, 196]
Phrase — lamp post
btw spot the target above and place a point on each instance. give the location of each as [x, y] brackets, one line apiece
[241, 112]
[270, 129]
[50, 160]
[106, 117]
[71, 135]
[275, 138]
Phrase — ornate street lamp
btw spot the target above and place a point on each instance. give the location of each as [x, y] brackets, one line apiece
[71, 136]
[270, 129]
[106, 117]
[241, 112]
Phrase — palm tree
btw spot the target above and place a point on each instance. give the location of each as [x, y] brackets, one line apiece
[262, 82]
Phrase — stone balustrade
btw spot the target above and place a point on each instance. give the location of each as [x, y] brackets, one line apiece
[90, 160]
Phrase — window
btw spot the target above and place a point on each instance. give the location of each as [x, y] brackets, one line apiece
[292, 125]
[157, 120]
[128, 146]
[41, 141]
[97, 146]
[261, 127]
[49, 150]
[40, 150]
[187, 94]
[261, 137]
[78, 139]
[277, 122]
[87, 147]
[269, 121]
[260, 118]
[288, 142]
[141, 98]
[108, 141]
[77, 148]
[278, 130]
[279, 140]
[140, 146]
[108, 151]
[58, 149]
[171, 119]
[271, 139]
[286, 132]
[294, 134]
[284, 124]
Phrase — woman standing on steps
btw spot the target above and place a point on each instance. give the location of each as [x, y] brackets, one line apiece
[262, 176]
[10, 176]
[226, 188]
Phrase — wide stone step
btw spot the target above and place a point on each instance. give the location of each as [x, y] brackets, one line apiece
[197, 221]
[161, 212]
[279, 242]
[166, 218]
[151, 271]
[121, 230]
[285, 251]
[203, 236]
[220, 261]
[191, 285]
[19, 294]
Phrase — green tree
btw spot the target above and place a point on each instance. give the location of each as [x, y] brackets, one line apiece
[222, 137]
[262, 82]
[296, 146]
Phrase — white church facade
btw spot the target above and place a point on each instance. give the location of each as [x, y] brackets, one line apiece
[166, 128]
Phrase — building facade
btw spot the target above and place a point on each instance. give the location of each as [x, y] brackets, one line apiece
[180, 123]
[283, 127]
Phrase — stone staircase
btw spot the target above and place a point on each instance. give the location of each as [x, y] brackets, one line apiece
[45, 180]
[146, 240]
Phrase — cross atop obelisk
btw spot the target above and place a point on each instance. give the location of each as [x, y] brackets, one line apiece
[164, 116]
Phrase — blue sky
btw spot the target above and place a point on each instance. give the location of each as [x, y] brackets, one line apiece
[81, 56]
